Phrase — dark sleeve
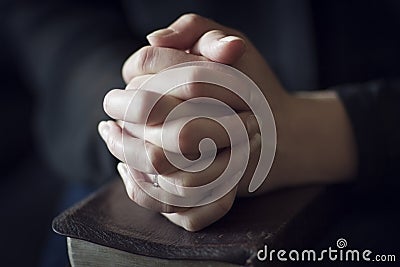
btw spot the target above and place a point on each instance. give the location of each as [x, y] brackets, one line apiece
[70, 53]
[374, 111]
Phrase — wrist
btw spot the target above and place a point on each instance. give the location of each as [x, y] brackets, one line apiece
[320, 137]
[315, 142]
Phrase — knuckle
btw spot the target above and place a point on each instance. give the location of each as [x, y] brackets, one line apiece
[144, 58]
[191, 18]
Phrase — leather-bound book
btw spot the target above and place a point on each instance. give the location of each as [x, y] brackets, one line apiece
[108, 229]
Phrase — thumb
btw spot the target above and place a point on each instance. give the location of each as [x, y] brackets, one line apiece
[220, 47]
[183, 33]
[200, 36]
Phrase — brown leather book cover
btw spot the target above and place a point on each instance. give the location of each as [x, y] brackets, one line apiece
[290, 218]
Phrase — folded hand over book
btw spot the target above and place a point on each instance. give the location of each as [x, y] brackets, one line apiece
[314, 143]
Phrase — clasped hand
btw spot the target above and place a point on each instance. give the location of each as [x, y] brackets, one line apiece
[190, 38]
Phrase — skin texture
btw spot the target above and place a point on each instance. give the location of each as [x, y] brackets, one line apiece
[315, 139]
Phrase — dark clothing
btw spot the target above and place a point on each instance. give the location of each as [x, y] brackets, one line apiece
[374, 110]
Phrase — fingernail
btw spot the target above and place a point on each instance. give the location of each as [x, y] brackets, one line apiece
[161, 33]
[112, 99]
[104, 129]
[228, 39]
[252, 125]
